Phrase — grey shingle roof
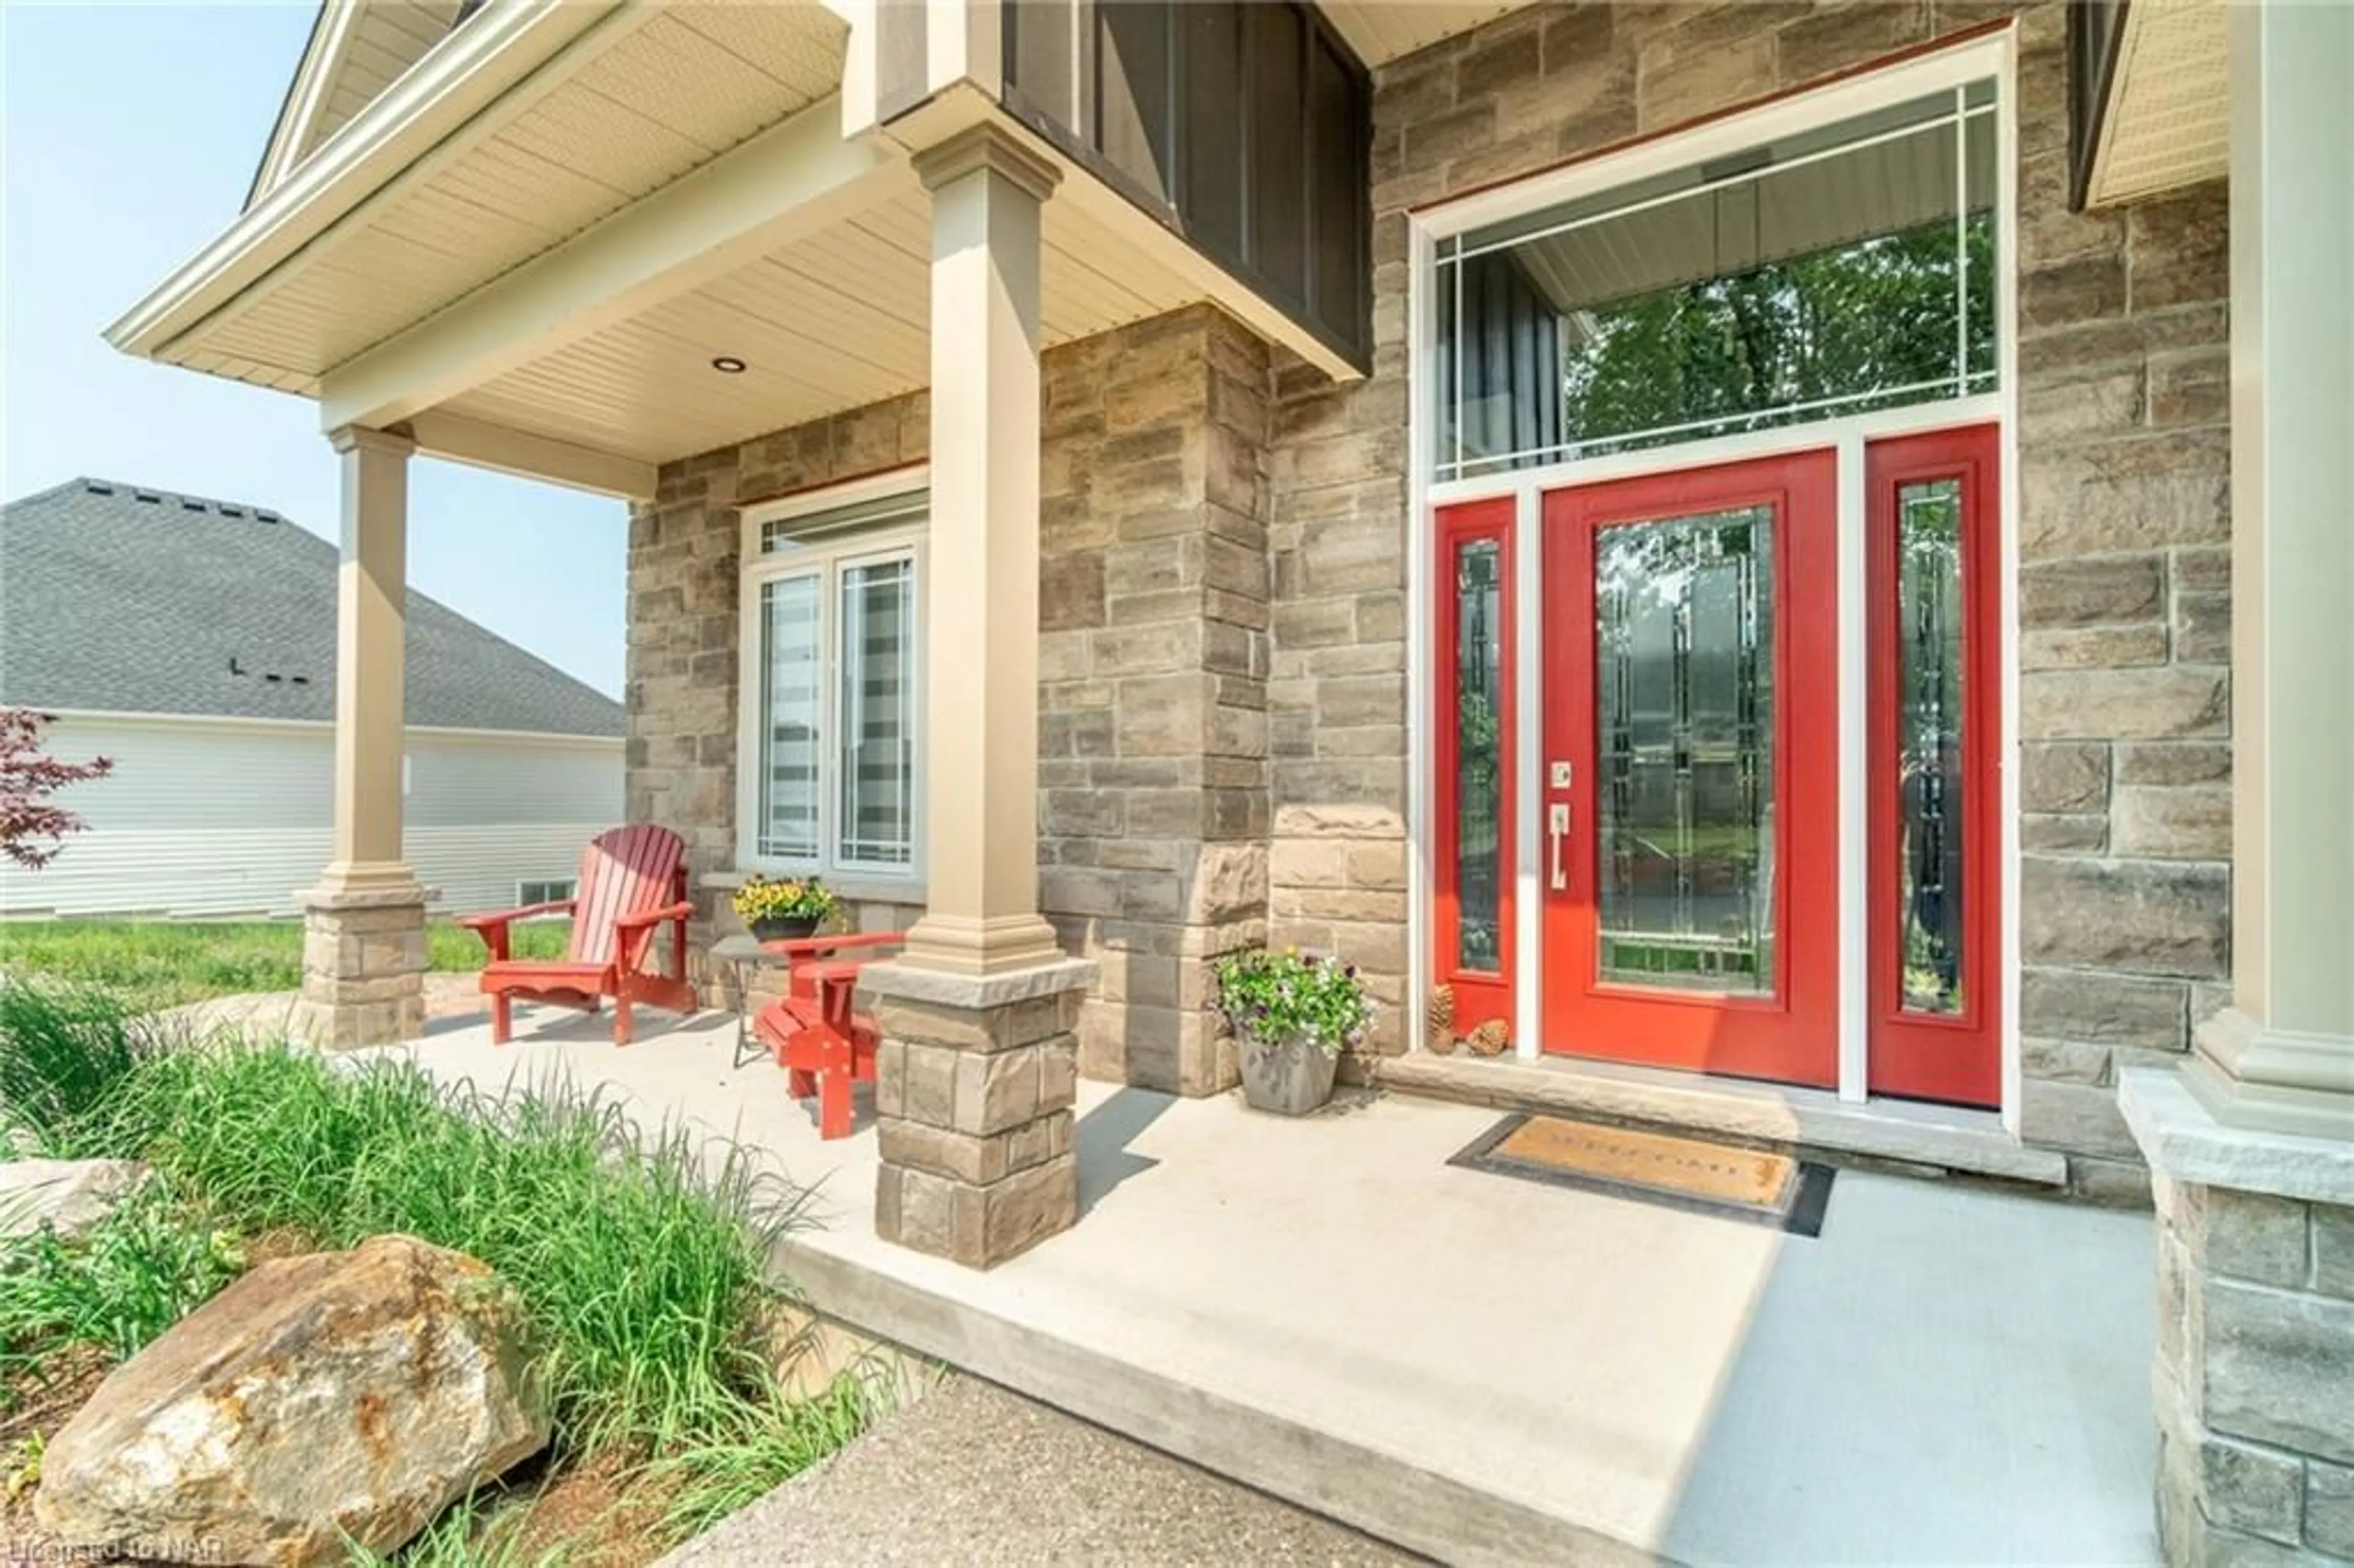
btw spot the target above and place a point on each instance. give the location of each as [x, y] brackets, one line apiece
[129, 599]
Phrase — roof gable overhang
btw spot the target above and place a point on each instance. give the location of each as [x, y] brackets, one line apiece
[473, 76]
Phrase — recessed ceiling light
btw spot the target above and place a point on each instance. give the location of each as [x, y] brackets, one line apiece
[728, 364]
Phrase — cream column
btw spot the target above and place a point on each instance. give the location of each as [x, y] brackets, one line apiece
[363, 946]
[2282, 1058]
[2251, 1145]
[982, 838]
[371, 658]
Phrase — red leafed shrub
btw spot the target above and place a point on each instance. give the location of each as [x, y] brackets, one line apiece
[29, 826]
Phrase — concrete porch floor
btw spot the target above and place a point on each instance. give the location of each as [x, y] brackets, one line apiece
[1484, 1369]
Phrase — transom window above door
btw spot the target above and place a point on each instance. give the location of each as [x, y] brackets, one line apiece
[1826, 272]
[830, 721]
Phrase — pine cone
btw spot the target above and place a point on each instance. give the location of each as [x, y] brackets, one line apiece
[1492, 1038]
[1441, 1019]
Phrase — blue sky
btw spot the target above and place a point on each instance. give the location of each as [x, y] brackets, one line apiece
[130, 136]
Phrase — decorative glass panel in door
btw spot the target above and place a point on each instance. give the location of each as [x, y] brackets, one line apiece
[1935, 727]
[1474, 948]
[1683, 647]
[1690, 769]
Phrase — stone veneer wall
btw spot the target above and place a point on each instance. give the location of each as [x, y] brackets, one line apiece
[1152, 729]
[2254, 1393]
[1152, 672]
[2123, 693]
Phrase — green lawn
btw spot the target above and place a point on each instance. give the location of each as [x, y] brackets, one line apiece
[163, 963]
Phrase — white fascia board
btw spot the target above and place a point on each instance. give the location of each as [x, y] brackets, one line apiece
[793, 180]
[321, 63]
[409, 132]
[509, 450]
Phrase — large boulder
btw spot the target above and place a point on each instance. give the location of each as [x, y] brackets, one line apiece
[344, 1395]
[71, 1195]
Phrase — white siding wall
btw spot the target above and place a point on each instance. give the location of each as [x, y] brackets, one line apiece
[215, 818]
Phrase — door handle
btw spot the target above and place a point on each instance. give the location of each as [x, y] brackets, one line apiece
[1557, 825]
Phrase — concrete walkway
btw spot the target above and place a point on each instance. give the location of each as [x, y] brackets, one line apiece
[1489, 1370]
[974, 1475]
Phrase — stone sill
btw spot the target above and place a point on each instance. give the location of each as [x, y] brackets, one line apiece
[855, 890]
[1944, 1136]
[2183, 1141]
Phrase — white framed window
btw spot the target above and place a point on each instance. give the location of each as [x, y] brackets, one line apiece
[830, 718]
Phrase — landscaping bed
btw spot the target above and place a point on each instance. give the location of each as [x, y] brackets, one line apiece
[155, 964]
[638, 1259]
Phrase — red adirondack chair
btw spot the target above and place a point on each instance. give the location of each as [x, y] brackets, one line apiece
[631, 880]
[824, 1047]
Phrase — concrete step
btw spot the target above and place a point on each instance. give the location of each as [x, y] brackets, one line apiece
[1316, 1465]
[983, 1479]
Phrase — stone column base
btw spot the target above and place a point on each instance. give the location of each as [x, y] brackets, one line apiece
[364, 962]
[2254, 1381]
[974, 1085]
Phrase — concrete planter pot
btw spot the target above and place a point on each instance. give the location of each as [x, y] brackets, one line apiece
[1289, 1076]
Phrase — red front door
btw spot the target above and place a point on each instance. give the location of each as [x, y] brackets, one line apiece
[1689, 770]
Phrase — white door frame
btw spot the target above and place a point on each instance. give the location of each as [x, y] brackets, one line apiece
[1992, 54]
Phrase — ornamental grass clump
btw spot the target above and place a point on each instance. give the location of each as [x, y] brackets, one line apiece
[1269, 997]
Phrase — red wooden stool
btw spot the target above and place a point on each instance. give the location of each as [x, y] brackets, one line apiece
[824, 1046]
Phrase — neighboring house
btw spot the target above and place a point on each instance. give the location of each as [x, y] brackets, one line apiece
[1784, 543]
[194, 642]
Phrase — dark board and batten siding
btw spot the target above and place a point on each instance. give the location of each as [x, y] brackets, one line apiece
[1244, 127]
[2096, 30]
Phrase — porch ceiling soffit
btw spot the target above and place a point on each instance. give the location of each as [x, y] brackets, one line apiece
[2168, 123]
[794, 180]
[500, 146]
[1384, 30]
[832, 321]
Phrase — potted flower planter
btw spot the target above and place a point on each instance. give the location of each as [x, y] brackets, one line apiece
[780, 909]
[1291, 1076]
[1291, 1017]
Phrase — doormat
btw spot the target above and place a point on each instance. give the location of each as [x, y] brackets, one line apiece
[1757, 1185]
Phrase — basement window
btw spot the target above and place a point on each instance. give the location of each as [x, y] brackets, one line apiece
[832, 712]
[556, 891]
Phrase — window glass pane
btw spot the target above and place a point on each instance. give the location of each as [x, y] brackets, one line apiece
[1684, 659]
[1479, 754]
[879, 713]
[789, 718]
[786, 535]
[1845, 269]
[1929, 742]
